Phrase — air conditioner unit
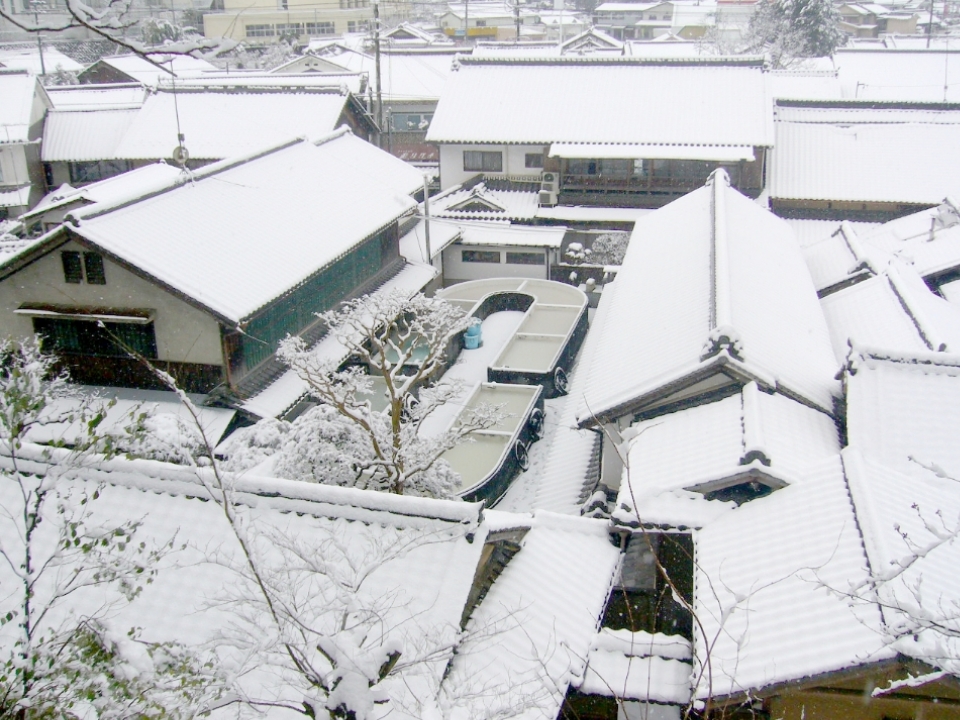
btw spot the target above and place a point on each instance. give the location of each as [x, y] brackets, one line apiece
[550, 182]
[548, 198]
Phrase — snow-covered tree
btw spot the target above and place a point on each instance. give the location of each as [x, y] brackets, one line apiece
[404, 342]
[790, 29]
[68, 573]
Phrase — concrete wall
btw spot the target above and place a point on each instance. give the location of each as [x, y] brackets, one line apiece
[184, 333]
[455, 270]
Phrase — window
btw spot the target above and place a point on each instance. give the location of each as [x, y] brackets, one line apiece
[260, 31]
[72, 268]
[93, 264]
[319, 28]
[87, 172]
[290, 29]
[525, 258]
[411, 122]
[480, 23]
[357, 26]
[483, 161]
[480, 256]
[83, 337]
[533, 160]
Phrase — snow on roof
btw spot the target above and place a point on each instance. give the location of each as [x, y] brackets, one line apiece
[895, 311]
[545, 608]
[148, 73]
[623, 7]
[218, 124]
[421, 556]
[479, 233]
[809, 232]
[804, 85]
[282, 394]
[760, 574]
[692, 301]
[179, 236]
[405, 75]
[413, 244]
[499, 203]
[353, 82]
[705, 448]
[909, 75]
[641, 665]
[903, 405]
[17, 90]
[134, 183]
[15, 197]
[902, 519]
[842, 258]
[620, 100]
[29, 59]
[93, 96]
[823, 154]
[79, 135]
[929, 240]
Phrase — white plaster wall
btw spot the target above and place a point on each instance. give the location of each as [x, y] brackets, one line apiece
[184, 333]
[455, 270]
[516, 160]
[13, 166]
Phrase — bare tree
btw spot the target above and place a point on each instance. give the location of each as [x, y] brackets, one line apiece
[65, 572]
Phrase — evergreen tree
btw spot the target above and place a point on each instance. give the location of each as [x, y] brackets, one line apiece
[789, 29]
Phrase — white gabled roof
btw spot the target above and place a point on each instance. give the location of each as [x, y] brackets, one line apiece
[95, 95]
[763, 614]
[693, 299]
[406, 76]
[16, 106]
[906, 75]
[148, 73]
[79, 135]
[842, 154]
[707, 447]
[238, 234]
[929, 240]
[619, 100]
[219, 124]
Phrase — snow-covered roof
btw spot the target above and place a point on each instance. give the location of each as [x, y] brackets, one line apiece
[94, 96]
[132, 184]
[219, 124]
[550, 595]
[14, 197]
[354, 82]
[692, 304]
[478, 233]
[891, 74]
[763, 615]
[841, 258]
[203, 221]
[79, 135]
[809, 232]
[413, 243]
[804, 84]
[148, 73]
[624, 7]
[417, 558]
[894, 310]
[903, 408]
[619, 100]
[843, 154]
[751, 435]
[29, 59]
[638, 666]
[17, 90]
[498, 203]
[406, 76]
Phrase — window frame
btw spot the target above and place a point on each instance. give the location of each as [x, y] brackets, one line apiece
[72, 264]
[478, 160]
[481, 256]
[529, 258]
[533, 160]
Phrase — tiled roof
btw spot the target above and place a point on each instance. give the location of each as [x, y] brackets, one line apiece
[888, 74]
[148, 73]
[929, 240]
[14, 197]
[78, 135]
[406, 76]
[691, 299]
[223, 123]
[619, 100]
[93, 96]
[179, 236]
[16, 105]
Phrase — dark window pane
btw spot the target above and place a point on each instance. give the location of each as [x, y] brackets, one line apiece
[93, 263]
[525, 258]
[482, 161]
[533, 160]
[481, 256]
[72, 269]
[493, 161]
[81, 337]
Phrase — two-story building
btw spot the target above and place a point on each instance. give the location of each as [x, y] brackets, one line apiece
[640, 133]
[206, 275]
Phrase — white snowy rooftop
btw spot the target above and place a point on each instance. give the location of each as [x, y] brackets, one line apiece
[75, 135]
[692, 306]
[619, 100]
[92, 96]
[354, 82]
[407, 75]
[892, 74]
[842, 153]
[749, 436]
[203, 222]
[148, 73]
[29, 59]
[223, 123]
[17, 90]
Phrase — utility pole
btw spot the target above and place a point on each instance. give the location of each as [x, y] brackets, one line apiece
[466, 20]
[376, 56]
[516, 7]
[36, 21]
[930, 25]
